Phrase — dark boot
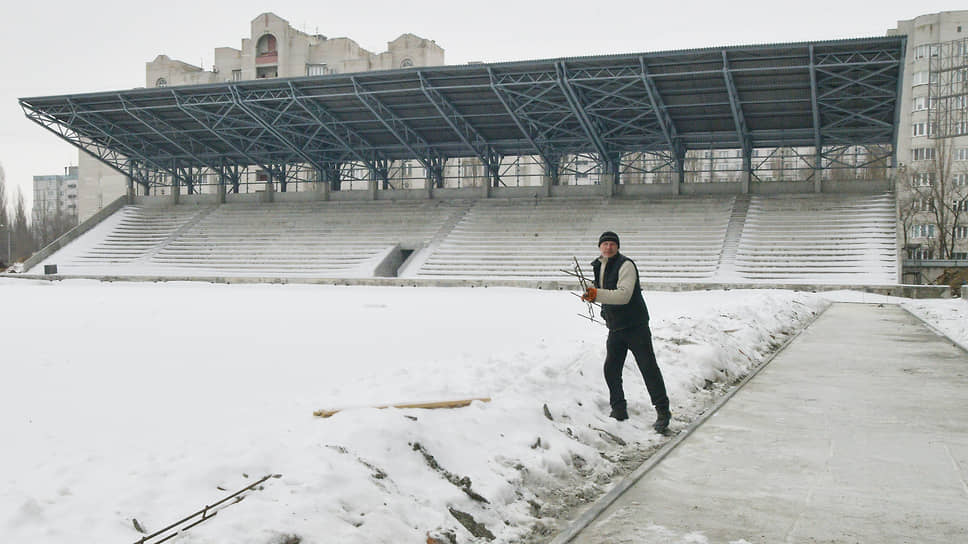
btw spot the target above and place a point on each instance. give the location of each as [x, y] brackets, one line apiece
[663, 416]
[619, 413]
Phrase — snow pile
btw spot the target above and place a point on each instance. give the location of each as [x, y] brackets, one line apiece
[146, 402]
[950, 316]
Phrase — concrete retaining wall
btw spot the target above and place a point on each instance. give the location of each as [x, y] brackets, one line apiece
[908, 291]
[75, 232]
[532, 191]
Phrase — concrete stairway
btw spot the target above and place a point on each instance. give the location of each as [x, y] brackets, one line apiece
[734, 231]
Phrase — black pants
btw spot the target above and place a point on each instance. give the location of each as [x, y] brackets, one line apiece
[639, 340]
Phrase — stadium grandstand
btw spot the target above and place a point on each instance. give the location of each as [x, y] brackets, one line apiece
[762, 164]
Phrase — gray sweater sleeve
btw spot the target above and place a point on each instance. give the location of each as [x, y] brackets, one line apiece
[623, 291]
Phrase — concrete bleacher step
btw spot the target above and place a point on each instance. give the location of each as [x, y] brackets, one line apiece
[818, 238]
[668, 238]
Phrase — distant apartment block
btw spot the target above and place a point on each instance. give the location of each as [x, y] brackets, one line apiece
[273, 49]
[55, 198]
[932, 142]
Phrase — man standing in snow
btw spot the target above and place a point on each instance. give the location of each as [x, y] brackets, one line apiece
[617, 289]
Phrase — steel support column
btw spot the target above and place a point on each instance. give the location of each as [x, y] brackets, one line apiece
[668, 127]
[742, 132]
[817, 132]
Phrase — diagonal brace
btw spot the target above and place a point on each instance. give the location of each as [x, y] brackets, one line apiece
[662, 116]
[430, 159]
[742, 132]
[574, 102]
[240, 102]
[464, 130]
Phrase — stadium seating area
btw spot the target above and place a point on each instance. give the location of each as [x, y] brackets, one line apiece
[847, 239]
[670, 239]
[126, 238]
[306, 239]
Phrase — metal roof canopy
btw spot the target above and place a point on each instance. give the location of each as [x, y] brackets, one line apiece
[828, 93]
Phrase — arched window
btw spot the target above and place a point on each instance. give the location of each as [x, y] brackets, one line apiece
[266, 45]
[407, 63]
[162, 82]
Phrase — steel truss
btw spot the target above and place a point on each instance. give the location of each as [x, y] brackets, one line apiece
[637, 116]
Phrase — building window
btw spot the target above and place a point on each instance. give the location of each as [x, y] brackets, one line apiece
[919, 78]
[922, 179]
[316, 69]
[162, 82]
[919, 103]
[922, 154]
[961, 233]
[918, 129]
[262, 72]
[962, 154]
[236, 75]
[920, 254]
[406, 63]
[922, 230]
[266, 46]
[925, 51]
[925, 204]
[960, 180]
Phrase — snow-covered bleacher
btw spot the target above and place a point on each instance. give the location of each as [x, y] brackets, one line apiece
[671, 239]
[849, 239]
[319, 239]
[843, 239]
[127, 237]
[324, 239]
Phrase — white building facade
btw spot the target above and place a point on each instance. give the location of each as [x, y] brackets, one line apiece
[932, 144]
[55, 198]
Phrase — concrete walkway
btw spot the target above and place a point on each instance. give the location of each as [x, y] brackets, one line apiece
[857, 432]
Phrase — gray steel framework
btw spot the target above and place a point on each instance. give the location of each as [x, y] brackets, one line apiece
[825, 95]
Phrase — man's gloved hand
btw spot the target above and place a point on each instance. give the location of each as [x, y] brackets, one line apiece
[590, 295]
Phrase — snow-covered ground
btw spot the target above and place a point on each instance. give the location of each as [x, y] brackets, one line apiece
[134, 401]
[949, 316]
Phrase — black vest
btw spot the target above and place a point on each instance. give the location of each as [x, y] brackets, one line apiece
[621, 316]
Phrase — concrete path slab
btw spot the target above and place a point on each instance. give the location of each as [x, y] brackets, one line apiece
[857, 432]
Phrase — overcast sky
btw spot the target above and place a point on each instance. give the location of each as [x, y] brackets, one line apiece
[60, 47]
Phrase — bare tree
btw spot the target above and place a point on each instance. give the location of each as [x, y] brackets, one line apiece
[4, 218]
[50, 226]
[23, 241]
[942, 194]
[907, 206]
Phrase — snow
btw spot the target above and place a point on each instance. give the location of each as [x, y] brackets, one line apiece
[948, 316]
[148, 401]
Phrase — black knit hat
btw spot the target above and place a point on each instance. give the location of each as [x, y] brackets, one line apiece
[608, 236]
